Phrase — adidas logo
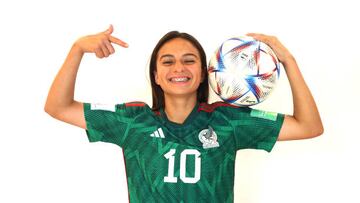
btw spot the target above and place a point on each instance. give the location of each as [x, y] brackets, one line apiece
[158, 133]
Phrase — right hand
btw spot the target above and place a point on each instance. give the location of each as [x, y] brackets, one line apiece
[280, 50]
[100, 44]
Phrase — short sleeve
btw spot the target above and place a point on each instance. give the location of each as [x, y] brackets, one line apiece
[257, 129]
[106, 123]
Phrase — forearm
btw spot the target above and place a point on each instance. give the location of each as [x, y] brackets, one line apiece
[61, 93]
[305, 109]
[60, 102]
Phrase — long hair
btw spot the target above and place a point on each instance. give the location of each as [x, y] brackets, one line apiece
[157, 93]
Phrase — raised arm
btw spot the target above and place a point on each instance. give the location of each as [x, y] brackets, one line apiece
[60, 102]
[305, 121]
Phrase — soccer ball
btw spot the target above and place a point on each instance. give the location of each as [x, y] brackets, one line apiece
[243, 71]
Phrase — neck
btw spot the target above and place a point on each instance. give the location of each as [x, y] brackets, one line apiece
[178, 109]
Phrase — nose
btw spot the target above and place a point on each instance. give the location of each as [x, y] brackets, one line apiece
[179, 67]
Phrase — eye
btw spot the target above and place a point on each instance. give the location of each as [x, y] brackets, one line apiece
[167, 62]
[189, 61]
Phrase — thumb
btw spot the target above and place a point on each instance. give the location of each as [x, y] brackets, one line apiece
[110, 30]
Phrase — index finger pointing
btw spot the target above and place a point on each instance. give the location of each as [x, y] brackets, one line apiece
[118, 41]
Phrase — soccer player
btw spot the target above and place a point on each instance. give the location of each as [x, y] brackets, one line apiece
[182, 149]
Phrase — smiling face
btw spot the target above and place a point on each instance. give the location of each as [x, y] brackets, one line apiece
[178, 67]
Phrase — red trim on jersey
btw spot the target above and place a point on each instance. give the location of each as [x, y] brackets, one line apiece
[130, 104]
[211, 107]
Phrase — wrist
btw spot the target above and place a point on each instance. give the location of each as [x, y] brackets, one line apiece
[287, 60]
[76, 49]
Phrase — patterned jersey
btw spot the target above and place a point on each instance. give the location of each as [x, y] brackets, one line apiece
[189, 162]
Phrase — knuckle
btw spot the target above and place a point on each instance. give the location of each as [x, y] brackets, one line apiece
[104, 40]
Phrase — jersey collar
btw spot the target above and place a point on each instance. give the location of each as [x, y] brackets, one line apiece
[190, 119]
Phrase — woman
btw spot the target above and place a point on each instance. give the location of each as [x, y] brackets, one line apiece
[182, 149]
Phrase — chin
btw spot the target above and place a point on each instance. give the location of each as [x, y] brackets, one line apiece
[181, 93]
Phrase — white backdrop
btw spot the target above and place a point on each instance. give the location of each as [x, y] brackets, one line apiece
[44, 160]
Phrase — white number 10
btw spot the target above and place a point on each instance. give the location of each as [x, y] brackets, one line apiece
[170, 156]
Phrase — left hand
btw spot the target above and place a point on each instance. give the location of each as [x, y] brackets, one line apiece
[305, 121]
[280, 50]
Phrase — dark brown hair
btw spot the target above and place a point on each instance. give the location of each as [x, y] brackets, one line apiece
[157, 93]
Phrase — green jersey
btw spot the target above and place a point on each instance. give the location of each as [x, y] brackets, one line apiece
[189, 162]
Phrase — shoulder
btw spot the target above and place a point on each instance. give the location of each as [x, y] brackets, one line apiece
[129, 110]
[115, 108]
[222, 107]
[232, 112]
[135, 106]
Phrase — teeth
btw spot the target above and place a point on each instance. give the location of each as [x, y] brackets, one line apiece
[179, 79]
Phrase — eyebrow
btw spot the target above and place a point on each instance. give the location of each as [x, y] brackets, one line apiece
[187, 54]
